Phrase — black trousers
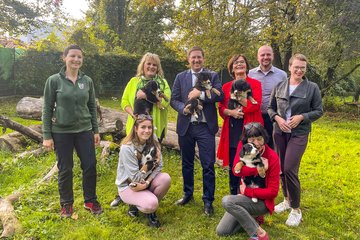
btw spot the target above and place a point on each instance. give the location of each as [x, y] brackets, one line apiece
[83, 143]
[268, 124]
[234, 181]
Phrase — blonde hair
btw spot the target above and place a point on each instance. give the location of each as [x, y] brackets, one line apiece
[150, 56]
[298, 56]
[133, 138]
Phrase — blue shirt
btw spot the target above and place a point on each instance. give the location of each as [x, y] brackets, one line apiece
[268, 82]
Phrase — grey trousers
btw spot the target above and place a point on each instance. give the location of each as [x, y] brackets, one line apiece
[239, 215]
[290, 150]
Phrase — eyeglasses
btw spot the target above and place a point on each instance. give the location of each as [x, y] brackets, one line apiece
[251, 125]
[143, 117]
[239, 62]
[303, 69]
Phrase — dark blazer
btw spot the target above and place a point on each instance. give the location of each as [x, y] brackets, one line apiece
[305, 100]
[179, 96]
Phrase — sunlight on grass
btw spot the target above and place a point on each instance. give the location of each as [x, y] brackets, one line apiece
[328, 173]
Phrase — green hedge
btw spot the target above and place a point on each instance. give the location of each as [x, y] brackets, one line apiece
[109, 72]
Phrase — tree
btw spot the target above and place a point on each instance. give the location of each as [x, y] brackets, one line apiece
[19, 17]
[220, 27]
[16, 16]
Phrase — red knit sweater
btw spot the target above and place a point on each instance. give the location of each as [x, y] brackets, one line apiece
[272, 179]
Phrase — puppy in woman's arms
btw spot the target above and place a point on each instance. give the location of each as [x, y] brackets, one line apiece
[250, 157]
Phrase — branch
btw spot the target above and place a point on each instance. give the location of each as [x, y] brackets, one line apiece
[350, 72]
[332, 83]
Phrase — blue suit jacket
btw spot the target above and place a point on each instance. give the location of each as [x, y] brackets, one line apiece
[179, 96]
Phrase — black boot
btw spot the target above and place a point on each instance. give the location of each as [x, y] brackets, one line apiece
[153, 220]
[133, 211]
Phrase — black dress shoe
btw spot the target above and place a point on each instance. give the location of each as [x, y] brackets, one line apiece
[133, 211]
[208, 210]
[184, 200]
[153, 220]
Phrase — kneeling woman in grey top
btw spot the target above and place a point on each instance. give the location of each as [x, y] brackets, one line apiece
[144, 195]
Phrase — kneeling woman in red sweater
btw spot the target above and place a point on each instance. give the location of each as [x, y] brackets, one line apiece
[240, 209]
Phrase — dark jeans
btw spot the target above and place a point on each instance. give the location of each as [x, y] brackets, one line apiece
[290, 150]
[268, 124]
[64, 147]
[205, 140]
[234, 181]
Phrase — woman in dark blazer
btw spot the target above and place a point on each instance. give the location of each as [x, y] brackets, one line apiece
[294, 105]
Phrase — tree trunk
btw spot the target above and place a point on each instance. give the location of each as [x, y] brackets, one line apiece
[9, 221]
[8, 123]
[113, 121]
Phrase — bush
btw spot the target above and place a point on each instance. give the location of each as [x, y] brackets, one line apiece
[110, 72]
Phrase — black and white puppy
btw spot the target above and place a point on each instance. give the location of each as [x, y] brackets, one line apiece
[250, 156]
[153, 94]
[240, 89]
[203, 83]
[195, 106]
[147, 163]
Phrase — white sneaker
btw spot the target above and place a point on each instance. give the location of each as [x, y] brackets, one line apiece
[282, 207]
[294, 218]
[116, 201]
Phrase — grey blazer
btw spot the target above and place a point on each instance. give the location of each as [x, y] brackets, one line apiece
[305, 100]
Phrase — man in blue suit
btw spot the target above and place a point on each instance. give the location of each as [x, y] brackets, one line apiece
[201, 131]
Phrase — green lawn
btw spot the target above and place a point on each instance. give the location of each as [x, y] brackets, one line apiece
[329, 177]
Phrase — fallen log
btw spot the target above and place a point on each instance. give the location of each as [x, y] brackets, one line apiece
[8, 123]
[113, 122]
[15, 140]
[9, 221]
[28, 154]
[50, 174]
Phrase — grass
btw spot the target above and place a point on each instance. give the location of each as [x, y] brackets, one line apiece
[330, 194]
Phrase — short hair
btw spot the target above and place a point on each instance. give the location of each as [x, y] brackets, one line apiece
[298, 56]
[254, 129]
[233, 59]
[149, 56]
[195, 48]
[72, 46]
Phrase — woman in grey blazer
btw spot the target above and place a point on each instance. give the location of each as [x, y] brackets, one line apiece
[294, 104]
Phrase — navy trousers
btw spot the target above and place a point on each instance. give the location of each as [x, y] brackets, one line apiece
[64, 147]
[205, 140]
